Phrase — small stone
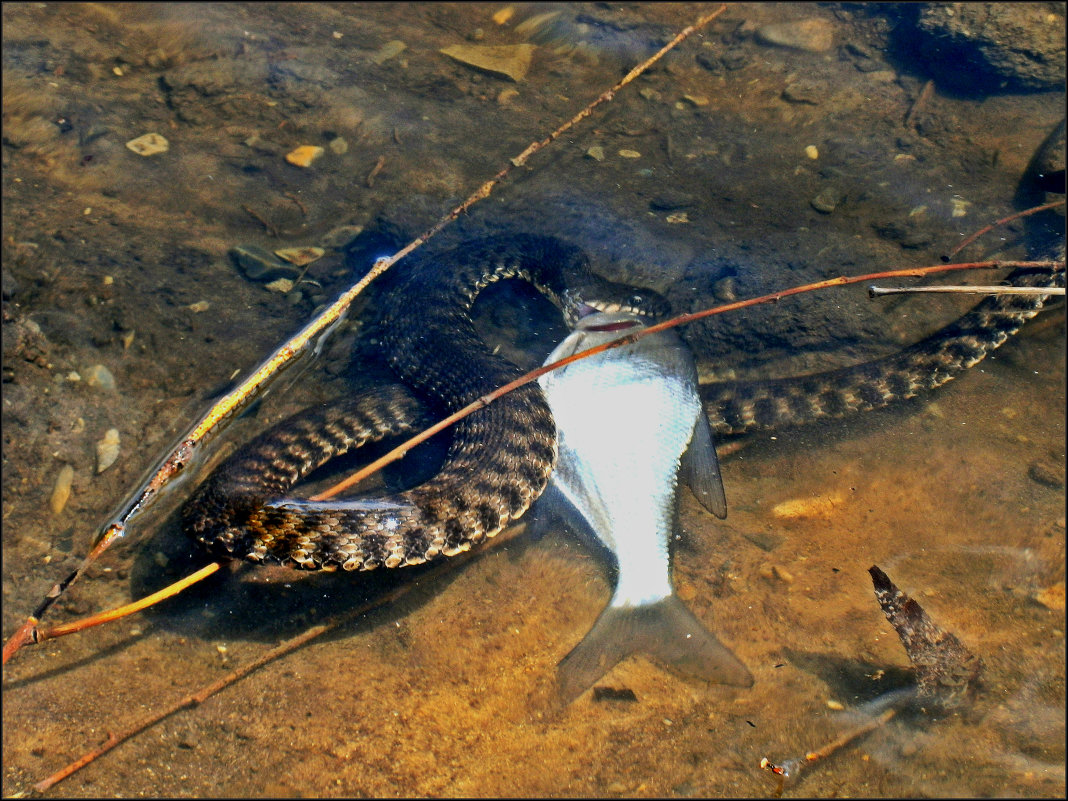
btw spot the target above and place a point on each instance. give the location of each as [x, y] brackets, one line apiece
[149, 144]
[504, 61]
[1047, 473]
[802, 93]
[630, 154]
[696, 100]
[1052, 597]
[959, 207]
[651, 94]
[797, 508]
[199, 307]
[257, 264]
[671, 200]
[338, 146]
[835, 705]
[341, 237]
[596, 153]
[502, 16]
[107, 450]
[300, 256]
[388, 50]
[782, 574]
[304, 155]
[810, 35]
[735, 59]
[537, 25]
[826, 201]
[61, 491]
[678, 218]
[282, 285]
[507, 96]
[725, 289]
[812, 152]
[100, 377]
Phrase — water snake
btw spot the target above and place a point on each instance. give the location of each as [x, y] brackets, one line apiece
[502, 456]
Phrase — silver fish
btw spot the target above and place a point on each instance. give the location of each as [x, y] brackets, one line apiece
[628, 420]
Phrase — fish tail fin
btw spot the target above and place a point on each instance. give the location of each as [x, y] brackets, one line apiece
[667, 631]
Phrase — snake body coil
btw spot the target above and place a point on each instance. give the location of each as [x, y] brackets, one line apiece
[502, 455]
[498, 464]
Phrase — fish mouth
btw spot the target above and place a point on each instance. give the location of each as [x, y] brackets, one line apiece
[619, 325]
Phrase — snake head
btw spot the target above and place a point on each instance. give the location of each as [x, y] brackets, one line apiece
[607, 296]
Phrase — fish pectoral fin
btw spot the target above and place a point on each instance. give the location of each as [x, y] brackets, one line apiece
[666, 631]
[700, 469]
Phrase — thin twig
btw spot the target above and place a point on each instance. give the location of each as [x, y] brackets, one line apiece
[481, 402]
[253, 386]
[290, 645]
[968, 240]
[790, 770]
[878, 291]
[39, 635]
[271, 229]
[370, 179]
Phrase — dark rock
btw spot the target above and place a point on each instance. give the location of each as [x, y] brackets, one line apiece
[257, 264]
[993, 47]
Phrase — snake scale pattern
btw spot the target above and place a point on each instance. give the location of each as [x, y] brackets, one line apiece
[501, 456]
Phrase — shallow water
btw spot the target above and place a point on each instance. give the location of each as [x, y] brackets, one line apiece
[959, 495]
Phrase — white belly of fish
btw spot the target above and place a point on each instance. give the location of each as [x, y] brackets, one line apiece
[624, 426]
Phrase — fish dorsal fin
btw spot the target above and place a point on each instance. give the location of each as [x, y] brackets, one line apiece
[700, 469]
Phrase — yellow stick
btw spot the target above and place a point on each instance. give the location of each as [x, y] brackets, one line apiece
[42, 634]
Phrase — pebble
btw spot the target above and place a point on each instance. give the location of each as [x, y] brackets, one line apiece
[300, 256]
[725, 289]
[678, 218]
[696, 100]
[835, 705]
[735, 59]
[107, 450]
[507, 96]
[504, 61]
[596, 153]
[802, 92]
[257, 264]
[1047, 473]
[810, 35]
[341, 237]
[149, 144]
[797, 508]
[1052, 597]
[282, 285]
[199, 307]
[61, 491]
[671, 200]
[304, 155]
[826, 201]
[100, 377]
[389, 50]
[630, 154]
[338, 146]
[812, 152]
